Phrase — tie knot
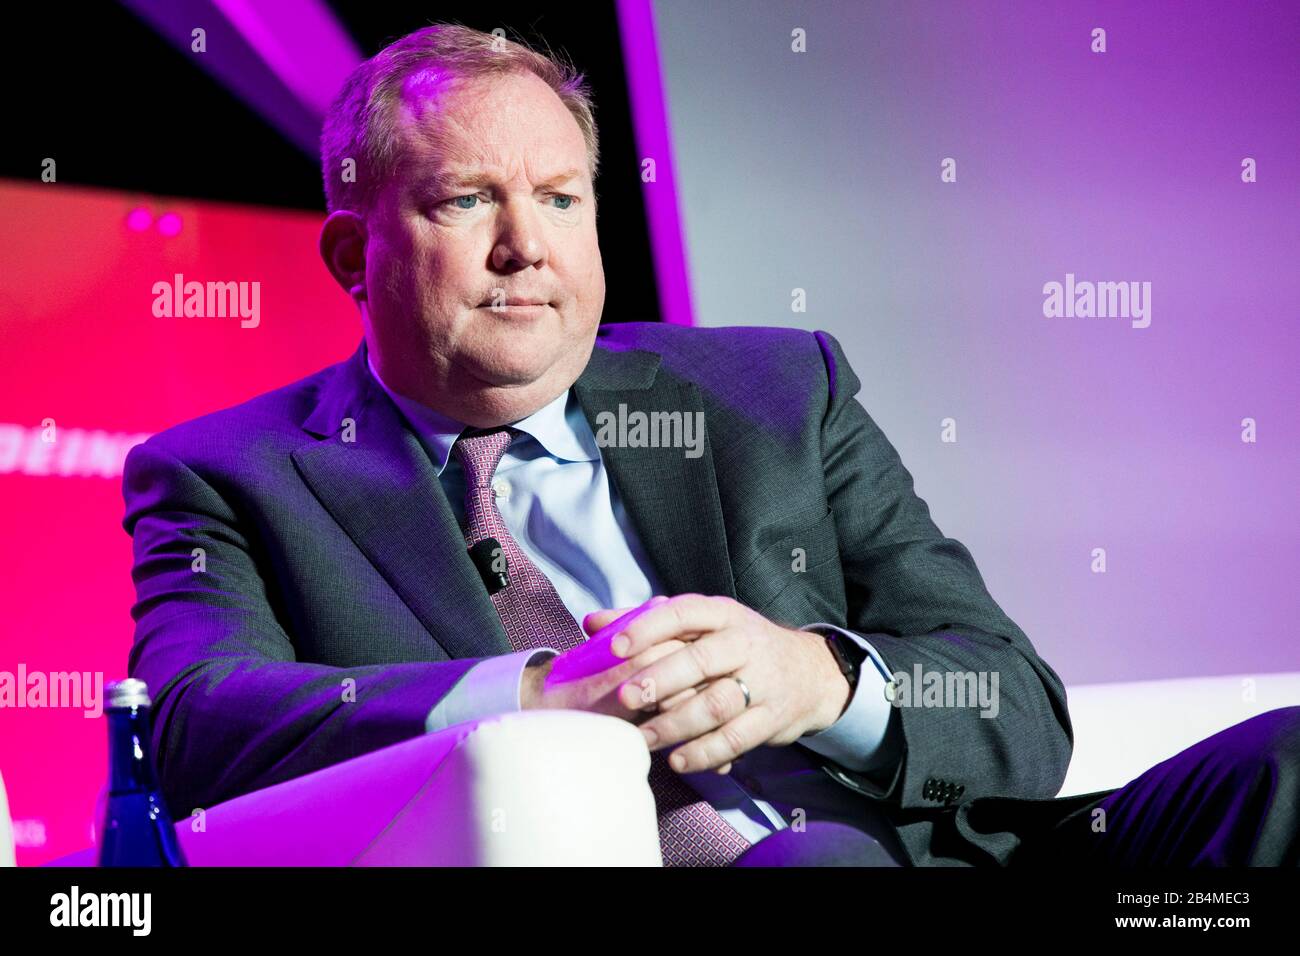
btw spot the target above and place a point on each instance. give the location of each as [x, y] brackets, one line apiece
[479, 451]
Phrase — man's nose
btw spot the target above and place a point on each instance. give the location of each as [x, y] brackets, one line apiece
[520, 243]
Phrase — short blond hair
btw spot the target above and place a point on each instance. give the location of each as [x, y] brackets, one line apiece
[361, 123]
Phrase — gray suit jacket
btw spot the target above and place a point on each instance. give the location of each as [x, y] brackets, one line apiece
[324, 559]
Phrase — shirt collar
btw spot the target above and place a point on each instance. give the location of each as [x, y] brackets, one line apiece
[559, 426]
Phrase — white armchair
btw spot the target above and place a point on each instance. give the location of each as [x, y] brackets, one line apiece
[1122, 730]
[570, 788]
[562, 788]
[559, 788]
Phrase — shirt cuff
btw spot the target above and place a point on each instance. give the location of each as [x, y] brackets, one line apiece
[492, 686]
[867, 735]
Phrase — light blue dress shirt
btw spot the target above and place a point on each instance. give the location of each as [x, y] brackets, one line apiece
[556, 499]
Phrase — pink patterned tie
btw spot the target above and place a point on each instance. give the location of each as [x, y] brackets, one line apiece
[691, 831]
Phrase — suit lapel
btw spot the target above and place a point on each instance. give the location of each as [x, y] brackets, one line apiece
[382, 489]
[672, 500]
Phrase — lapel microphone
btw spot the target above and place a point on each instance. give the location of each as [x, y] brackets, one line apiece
[491, 563]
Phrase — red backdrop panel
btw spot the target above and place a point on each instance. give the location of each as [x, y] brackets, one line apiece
[80, 344]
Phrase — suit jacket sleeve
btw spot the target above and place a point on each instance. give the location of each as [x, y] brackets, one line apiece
[918, 597]
[233, 710]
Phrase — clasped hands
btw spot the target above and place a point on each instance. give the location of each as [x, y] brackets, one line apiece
[668, 665]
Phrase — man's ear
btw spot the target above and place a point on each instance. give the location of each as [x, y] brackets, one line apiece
[343, 247]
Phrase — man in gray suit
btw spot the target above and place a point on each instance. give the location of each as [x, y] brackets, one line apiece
[444, 518]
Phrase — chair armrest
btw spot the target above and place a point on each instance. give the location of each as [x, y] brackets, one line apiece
[1122, 730]
[549, 787]
[535, 788]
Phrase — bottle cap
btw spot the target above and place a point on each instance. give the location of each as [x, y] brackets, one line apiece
[128, 693]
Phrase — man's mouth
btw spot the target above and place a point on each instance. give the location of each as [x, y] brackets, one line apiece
[514, 300]
[517, 306]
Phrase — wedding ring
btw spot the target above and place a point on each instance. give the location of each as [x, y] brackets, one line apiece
[742, 687]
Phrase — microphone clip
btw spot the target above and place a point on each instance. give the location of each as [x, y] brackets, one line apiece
[490, 560]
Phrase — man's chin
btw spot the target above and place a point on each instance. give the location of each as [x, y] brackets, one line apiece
[499, 378]
[507, 371]
[511, 356]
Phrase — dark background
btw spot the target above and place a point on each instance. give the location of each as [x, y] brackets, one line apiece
[119, 107]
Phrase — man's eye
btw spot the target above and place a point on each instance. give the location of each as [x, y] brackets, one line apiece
[470, 201]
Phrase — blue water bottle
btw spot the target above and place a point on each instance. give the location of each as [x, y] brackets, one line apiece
[137, 829]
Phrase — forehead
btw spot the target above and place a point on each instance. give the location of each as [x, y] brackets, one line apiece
[494, 121]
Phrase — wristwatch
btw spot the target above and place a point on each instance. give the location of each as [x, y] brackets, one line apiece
[848, 656]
